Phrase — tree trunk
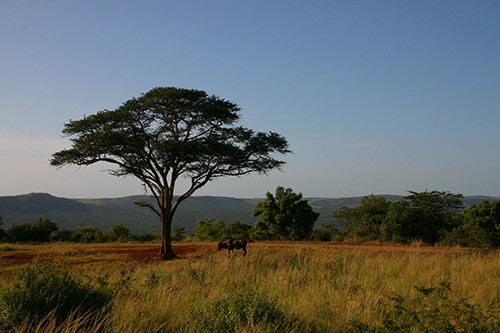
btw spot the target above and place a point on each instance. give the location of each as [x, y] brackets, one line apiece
[166, 252]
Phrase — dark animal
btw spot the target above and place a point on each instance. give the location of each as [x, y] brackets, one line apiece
[231, 244]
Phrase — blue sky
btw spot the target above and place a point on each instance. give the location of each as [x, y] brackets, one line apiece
[374, 96]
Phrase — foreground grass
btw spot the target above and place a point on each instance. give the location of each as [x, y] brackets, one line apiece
[306, 288]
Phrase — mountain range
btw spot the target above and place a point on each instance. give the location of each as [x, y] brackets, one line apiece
[104, 213]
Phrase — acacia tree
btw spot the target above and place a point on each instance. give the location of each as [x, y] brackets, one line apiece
[432, 213]
[169, 133]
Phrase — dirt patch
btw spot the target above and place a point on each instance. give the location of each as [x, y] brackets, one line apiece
[144, 255]
[85, 254]
[17, 259]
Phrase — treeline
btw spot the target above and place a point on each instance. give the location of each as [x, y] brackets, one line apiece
[44, 230]
[431, 217]
[282, 216]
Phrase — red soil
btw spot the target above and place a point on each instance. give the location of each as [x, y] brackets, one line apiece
[94, 253]
[98, 253]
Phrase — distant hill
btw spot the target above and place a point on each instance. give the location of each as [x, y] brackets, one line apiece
[104, 213]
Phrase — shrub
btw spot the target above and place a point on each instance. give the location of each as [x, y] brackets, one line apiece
[467, 237]
[38, 231]
[432, 310]
[210, 230]
[119, 232]
[480, 228]
[237, 230]
[20, 233]
[88, 234]
[41, 289]
[326, 232]
[178, 234]
[42, 228]
[61, 236]
[152, 279]
[240, 312]
[148, 237]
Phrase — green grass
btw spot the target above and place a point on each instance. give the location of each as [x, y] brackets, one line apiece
[307, 288]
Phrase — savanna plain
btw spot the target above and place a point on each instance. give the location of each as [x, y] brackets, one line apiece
[276, 287]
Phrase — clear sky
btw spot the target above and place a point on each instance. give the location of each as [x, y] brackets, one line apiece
[373, 96]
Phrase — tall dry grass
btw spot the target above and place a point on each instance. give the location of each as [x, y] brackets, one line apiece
[317, 288]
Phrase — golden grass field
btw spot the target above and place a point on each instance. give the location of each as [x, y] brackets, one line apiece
[322, 287]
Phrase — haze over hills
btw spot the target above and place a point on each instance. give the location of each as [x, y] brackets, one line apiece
[104, 213]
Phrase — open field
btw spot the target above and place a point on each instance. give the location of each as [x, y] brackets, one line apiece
[317, 287]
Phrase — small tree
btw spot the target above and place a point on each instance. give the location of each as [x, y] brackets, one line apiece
[285, 215]
[42, 228]
[20, 233]
[61, 236]
[326, 232]
[38, 231]
[88, 234]
[119, 232]
[166, 134]
[178, 234]
[237, 230]
[433, 213]
[480, 227]
[366, 220]
[210, 230]
[419, 216]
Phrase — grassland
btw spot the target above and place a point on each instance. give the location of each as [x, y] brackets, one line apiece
[313, 287]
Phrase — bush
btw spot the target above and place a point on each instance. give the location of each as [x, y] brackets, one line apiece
[178, 234]
[38, 231]
[41, 289]
[61, 236]
[119, 232]
[237, 230]
[326, 232]
[147, 237]
[432, 310]
[468, 237]
[480, 227]
[210, 230]
[240, 312]
[88, 234]
[20, 233]
[42, 228]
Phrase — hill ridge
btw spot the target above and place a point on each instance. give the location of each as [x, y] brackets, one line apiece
[106, 212]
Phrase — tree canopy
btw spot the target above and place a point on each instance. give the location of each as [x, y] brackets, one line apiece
[38, 231]
[212, 230]
[480, 226]
[429, 216]
[284, 216]
[169, 133]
